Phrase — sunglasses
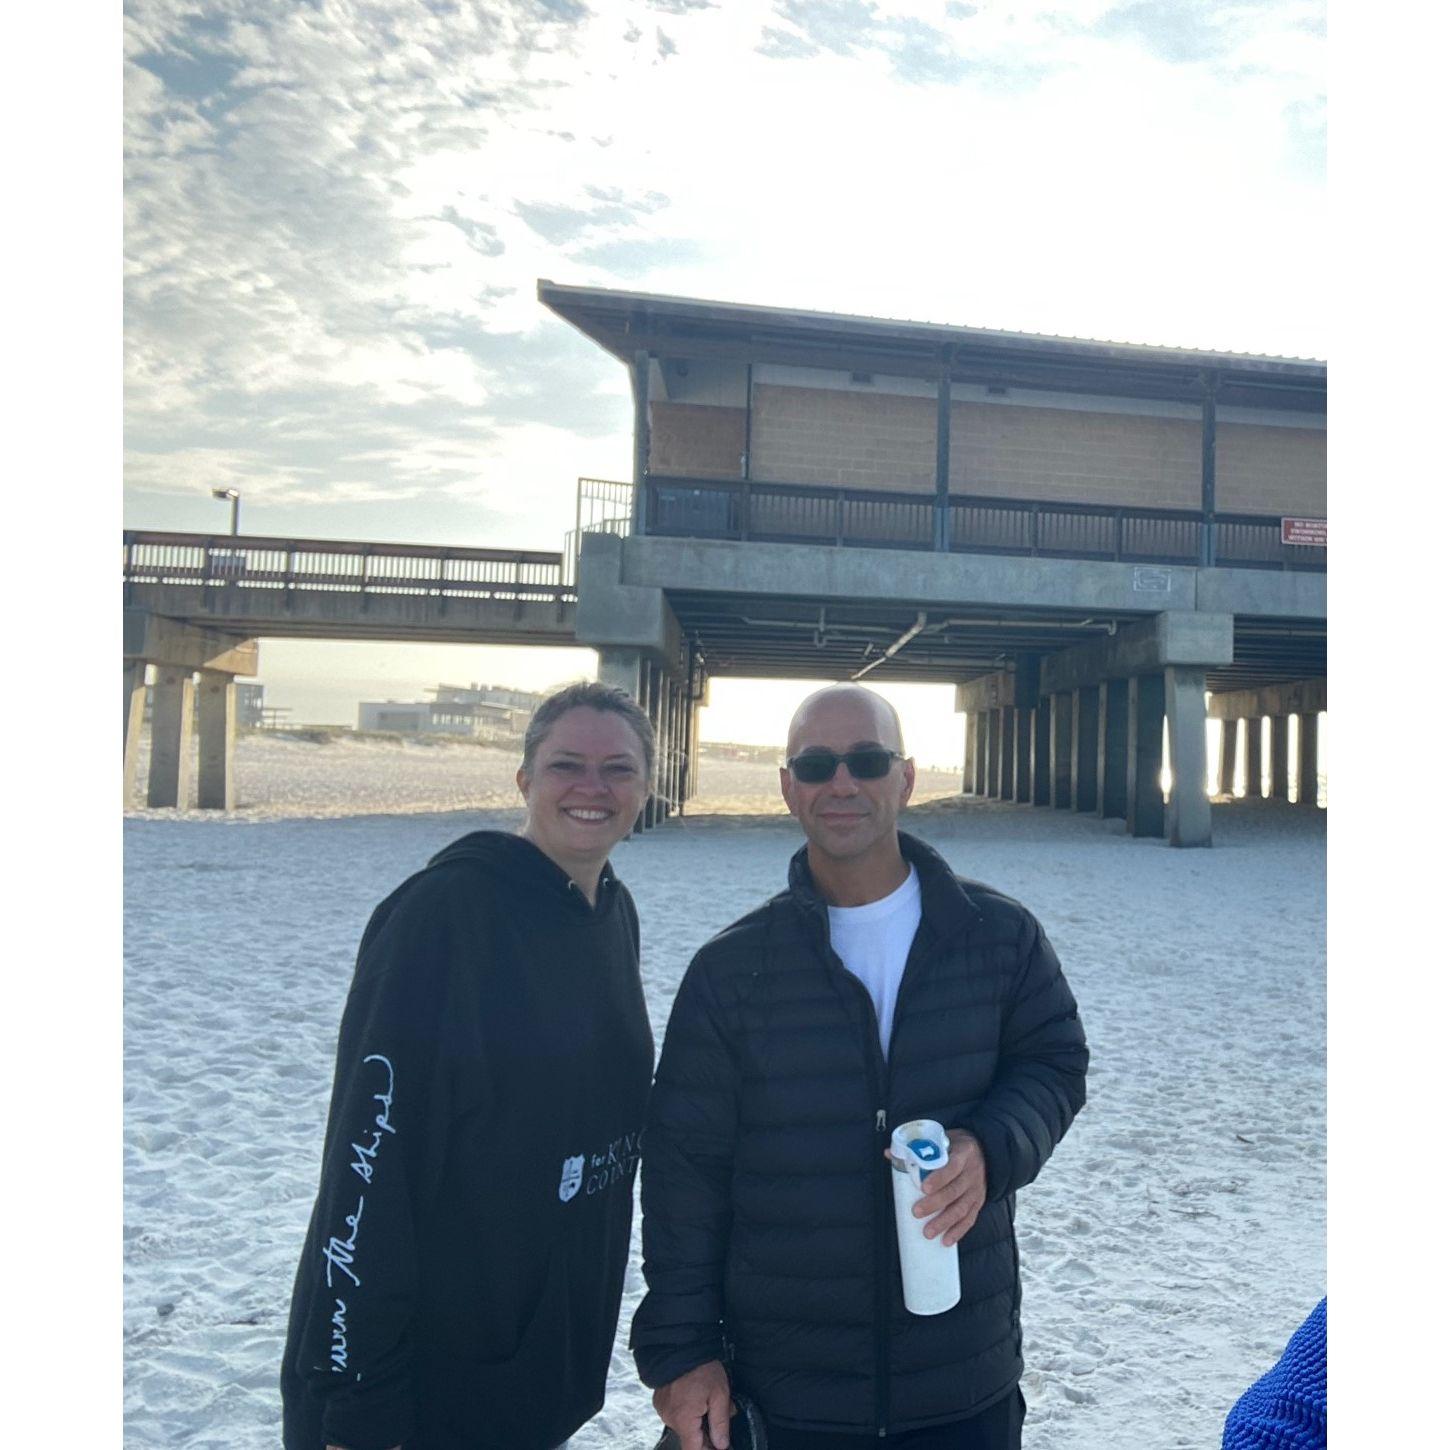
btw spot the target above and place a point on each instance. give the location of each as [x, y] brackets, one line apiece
[816, 767]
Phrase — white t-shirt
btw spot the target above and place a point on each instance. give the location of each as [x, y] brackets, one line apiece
[873, 941]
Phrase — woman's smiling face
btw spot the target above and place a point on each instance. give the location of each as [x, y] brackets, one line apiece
[585, 787]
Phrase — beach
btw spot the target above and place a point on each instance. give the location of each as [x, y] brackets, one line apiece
[1169, 1248]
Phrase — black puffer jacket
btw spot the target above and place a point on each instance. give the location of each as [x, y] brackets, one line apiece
[768, 1231]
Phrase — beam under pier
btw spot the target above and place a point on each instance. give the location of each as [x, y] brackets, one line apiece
[1042, 754]
[1007, 733]
[172, 703]
[1189, 815]
[216, 710]
[994, 754]
[1022, 755]
[1113, 750]
[133, 711]
[1279, 757]
[1309, 759]
[1145, 755]
[1254, 758]
[1085, 748]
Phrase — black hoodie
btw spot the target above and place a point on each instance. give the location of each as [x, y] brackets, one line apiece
[460, 1282]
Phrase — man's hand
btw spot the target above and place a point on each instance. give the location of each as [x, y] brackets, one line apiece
[954, 1195]
[702, 1394]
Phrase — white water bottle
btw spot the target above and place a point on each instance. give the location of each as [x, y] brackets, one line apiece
[931, 1277]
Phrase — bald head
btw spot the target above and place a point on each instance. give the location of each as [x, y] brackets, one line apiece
[879, 720]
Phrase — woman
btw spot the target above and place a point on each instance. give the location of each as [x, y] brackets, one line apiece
[461, 1278]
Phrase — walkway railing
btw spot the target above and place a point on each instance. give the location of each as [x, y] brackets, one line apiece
[250, 562]
[977, 524]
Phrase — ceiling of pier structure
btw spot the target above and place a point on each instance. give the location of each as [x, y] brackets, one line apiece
[780, 637]
[785, 637]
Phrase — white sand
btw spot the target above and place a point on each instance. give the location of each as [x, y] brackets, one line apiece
[1171, 1246]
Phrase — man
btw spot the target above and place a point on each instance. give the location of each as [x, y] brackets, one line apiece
[878, 988]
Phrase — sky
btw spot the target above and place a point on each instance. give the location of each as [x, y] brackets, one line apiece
[336, 215]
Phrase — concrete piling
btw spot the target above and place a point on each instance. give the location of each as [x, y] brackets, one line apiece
[1113, 750]
[1189, 815]
[1145, 814]
[173, 700]
[216, 749]
[1085, 748]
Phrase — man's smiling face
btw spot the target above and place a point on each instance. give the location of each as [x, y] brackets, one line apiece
[845, 819]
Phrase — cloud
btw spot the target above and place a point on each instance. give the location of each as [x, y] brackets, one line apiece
[635, 256]
[560, 224]
[1179, 31]
[915, 50]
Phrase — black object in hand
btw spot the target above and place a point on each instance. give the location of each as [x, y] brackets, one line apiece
[747, 1429]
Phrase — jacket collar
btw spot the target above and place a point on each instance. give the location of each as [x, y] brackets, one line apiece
[947, 906]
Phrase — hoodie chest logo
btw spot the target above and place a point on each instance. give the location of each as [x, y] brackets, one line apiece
[571, 1178]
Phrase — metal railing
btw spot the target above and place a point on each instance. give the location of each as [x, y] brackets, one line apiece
[978, 524]
[250, 562]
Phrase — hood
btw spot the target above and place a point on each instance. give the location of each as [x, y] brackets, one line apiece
[526, 868]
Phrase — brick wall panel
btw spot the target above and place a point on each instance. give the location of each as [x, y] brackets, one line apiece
[1266, 470]
[696, 440]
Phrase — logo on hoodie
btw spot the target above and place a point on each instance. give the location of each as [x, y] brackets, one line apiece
[571, 1178]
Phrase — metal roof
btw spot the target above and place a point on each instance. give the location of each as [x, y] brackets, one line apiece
[623, 322]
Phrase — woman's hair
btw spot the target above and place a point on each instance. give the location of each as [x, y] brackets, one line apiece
[597, 697]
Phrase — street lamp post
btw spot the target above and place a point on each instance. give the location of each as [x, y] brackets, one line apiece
[236, 502]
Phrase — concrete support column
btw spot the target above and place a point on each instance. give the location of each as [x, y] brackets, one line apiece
[1061, 749]
[979, 756]
[674, 762]
[1254, 758]
[1113, 750]
[692, 750]
[677, 778]
[654, 810]
[133, 713]
[1022, 756]
[1007, 776]
[994, 753]
[216, 786]
[1085, 748]
[1042, 754]
[1309, 759]
[169, 780]
[622, 669]
[687, 747]
[969, 751]
[1279, 757]
[1189, 816]
[672, 722]
[1145, 755]
[1228, 757]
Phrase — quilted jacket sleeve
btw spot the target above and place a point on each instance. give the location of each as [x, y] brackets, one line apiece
[1041, 1078]
[685, 1186]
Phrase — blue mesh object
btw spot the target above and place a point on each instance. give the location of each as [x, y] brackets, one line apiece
[1288, 1409]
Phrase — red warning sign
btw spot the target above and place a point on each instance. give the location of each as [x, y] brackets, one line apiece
[1314, 532]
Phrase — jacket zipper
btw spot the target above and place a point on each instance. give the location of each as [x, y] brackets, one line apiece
[882, 1222]
[885, 1209]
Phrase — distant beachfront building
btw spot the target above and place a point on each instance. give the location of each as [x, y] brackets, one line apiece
[482, 712]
